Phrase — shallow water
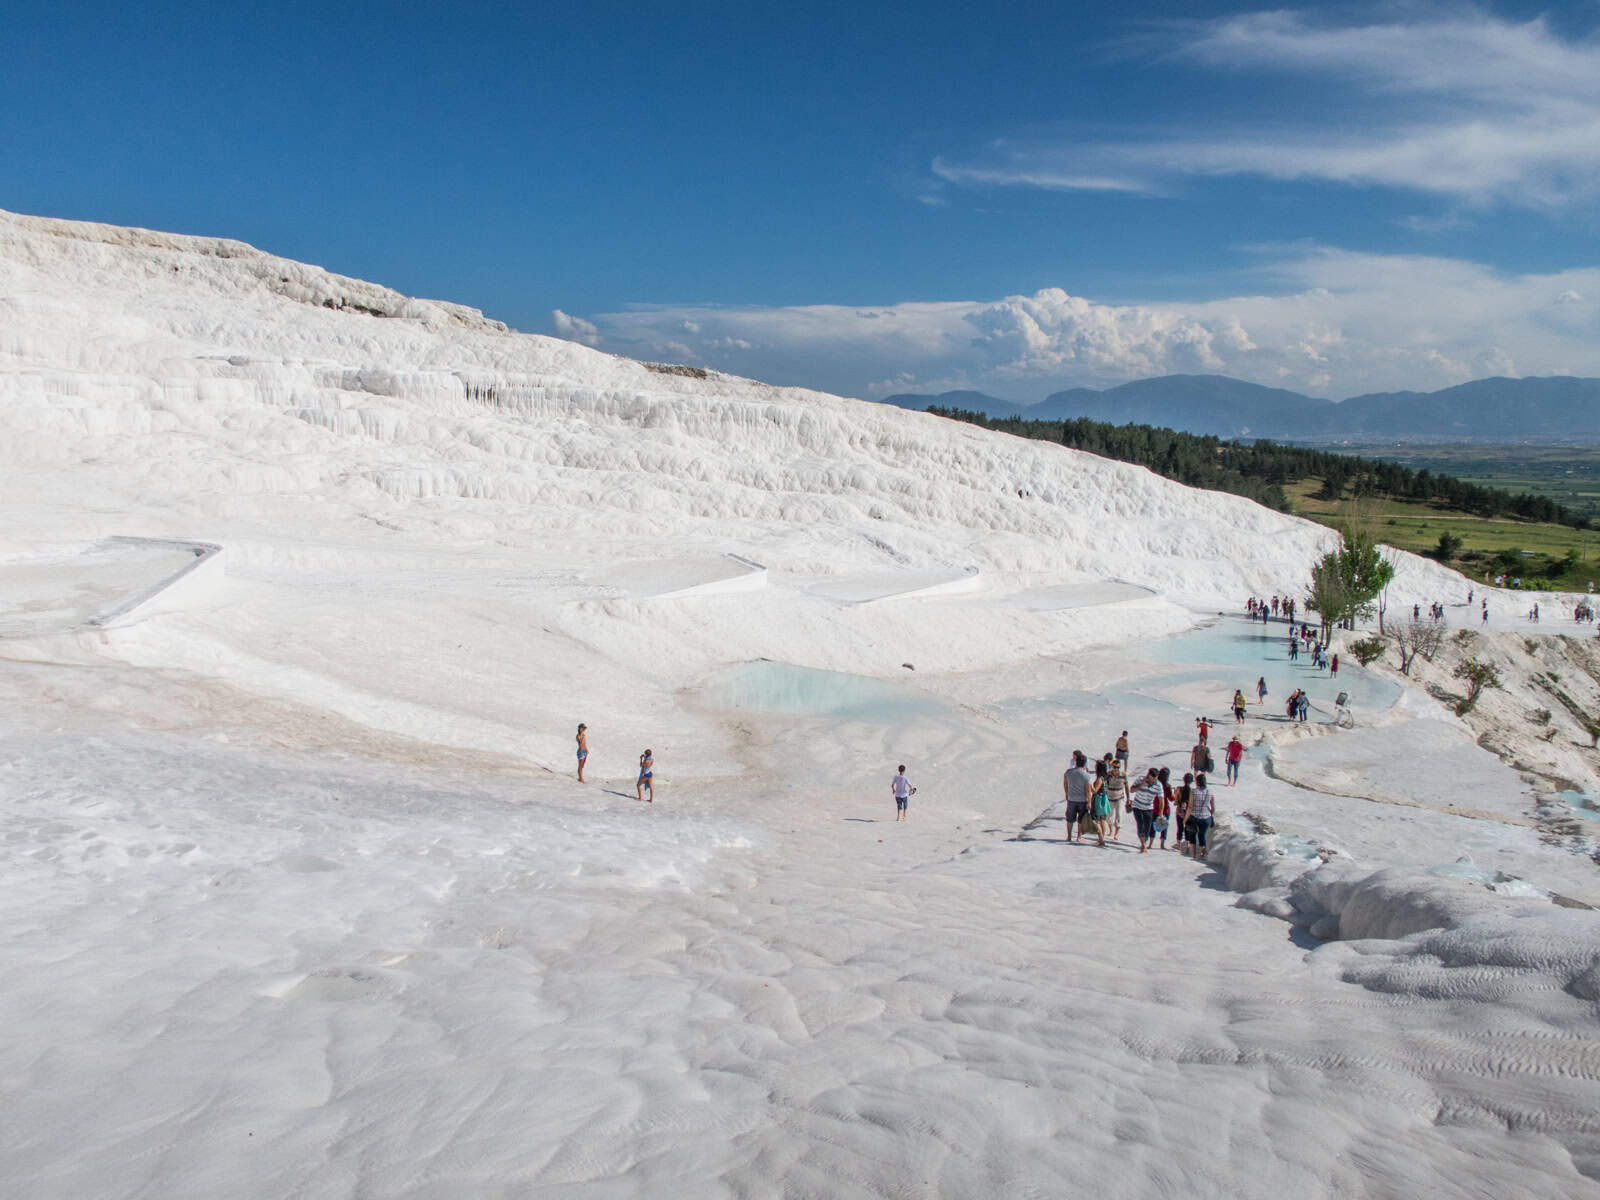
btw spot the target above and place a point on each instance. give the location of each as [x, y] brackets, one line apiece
[1253, 649]
[776, 687]
[1582, 805]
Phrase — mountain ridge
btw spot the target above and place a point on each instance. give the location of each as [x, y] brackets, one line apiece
[1540, 408]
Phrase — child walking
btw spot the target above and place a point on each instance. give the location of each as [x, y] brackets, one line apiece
[903, 791]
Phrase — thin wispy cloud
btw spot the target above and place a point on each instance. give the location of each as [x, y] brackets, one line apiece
[1040, 174]
[1470, 107]
[1325, 321]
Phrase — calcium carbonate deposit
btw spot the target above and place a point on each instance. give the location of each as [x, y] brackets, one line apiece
[305, 587]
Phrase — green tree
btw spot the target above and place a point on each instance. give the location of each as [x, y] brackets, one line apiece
[1346, 583]
[1478, 675]
[1449, 546]
[1326, 596]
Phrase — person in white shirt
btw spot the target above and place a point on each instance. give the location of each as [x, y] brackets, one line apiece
[1142, 800]
[903, 791]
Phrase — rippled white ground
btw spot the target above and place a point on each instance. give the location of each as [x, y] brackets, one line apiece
[245, 973]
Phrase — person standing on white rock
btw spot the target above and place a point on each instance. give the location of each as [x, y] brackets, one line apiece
[903, 791]
[1201, 813]
[647, 777]
[1076, 785]
[1117, 794]
[1142, 804]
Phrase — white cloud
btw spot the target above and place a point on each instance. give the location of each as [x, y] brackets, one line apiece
[1328, 321]
[1041, 172]
[1470, 107]
[574, 329]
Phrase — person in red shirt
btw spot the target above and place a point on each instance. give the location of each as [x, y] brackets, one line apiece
[1234, 756]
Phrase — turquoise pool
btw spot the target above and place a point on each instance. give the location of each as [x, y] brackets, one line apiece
[774, 687]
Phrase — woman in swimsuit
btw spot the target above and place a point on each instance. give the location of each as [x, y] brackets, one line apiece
[583, 749]
[647, 764]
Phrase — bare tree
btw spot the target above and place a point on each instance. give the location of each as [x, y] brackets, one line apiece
[1416, 638]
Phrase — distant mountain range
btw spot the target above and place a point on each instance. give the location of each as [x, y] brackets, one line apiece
[1552, 408]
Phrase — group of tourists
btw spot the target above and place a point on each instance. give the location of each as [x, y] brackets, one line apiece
[1096, 800]
[1435, 611]
[1264, 610]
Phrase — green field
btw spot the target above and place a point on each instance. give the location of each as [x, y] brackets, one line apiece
[1416, 527]
[1569, 475]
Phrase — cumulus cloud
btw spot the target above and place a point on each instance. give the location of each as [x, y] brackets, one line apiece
[1326, 321]
[574, 329]
[1468, 106]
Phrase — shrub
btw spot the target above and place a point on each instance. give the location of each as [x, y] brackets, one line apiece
[1367, 650]
[1478, 675]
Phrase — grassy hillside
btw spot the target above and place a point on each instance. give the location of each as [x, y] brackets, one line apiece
[1533, 550]
[1569, 475]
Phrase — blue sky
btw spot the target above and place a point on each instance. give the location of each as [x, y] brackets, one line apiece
[872, 198]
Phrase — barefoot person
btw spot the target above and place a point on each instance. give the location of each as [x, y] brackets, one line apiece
[1117, 796]
[903, 791]
[583, 749]
[1099, 801]
[647, 776]
[1164, 805]
[1076, 785]
[1235, 756]
[1183, 843]
[1201, 812]
[1142, 804]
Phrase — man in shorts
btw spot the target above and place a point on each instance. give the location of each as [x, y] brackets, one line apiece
[1122, 751]
[903, 791]
[1075, 785]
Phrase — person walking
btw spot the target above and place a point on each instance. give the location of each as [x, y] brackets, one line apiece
[1238, 706]
[647, 776]
[1142, 804]
[1076, 787]
[1261, 689]
[1202, 812]
[1099, 801]
[1204, 726]
[903, 791]
[1335, 669]
[1234, 756]
[1117, 797]
[1122, 750]
[1163, 809]
[1180, 814]
[583, 748]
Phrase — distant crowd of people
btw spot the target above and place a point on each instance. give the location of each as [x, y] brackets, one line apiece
[1266, 610]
